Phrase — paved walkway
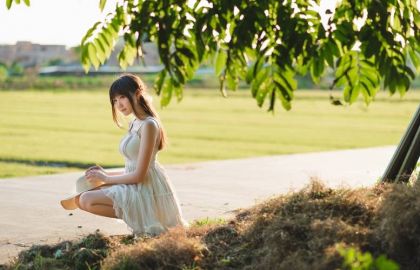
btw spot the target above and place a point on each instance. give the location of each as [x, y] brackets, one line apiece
[31, 213]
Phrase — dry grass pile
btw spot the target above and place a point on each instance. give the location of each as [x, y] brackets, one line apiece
[86, 253]
[399, 225]
[302, 230]
[298, 231]
[174, 250]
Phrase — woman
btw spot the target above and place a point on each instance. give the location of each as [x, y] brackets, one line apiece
[142, 195]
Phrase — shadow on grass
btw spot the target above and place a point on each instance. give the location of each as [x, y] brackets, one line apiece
[55, 163]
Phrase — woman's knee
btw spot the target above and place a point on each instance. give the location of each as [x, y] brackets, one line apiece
[85, 201]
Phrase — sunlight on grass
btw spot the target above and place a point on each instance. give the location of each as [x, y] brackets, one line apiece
[75, 127]
[10, 169]
[208, 222]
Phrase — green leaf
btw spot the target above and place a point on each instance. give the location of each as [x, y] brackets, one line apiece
[187, 52]
[102, 5]
[366, 92]
[262, 92]
[178, 93]
[27, 2]
[180, 75]
[100, 51]
[122, 59]
[300, 67]
[115, 26]
[130, 54]
[259, 63]
[106, 42]
[340, 36]
[166, 93]
[249, 75]
[347, 93]
[383, 263]
[334, 48]
[260, 78]
[110, 32]
[369, 73]
[89, 33]
[232, 81]
[106, 38]
[328, 53]
[85, 59]
[9, 4]
[402, 84]
[159, 81]
[372, 46]
[221, 58]
[104, 46]
[409, 72]
[317, 68]
[178, 60]
[272, 99]
[350, 255]
[91, 51]
[354, 93]
[284, 77]
[285, 102]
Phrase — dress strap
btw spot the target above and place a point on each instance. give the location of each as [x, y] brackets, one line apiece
[131, 124]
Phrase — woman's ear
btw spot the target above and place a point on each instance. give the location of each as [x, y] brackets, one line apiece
[138, 94]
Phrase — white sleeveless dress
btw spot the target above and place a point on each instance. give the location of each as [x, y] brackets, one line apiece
[150, 207]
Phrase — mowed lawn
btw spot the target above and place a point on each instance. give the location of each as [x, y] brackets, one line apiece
[44, 132]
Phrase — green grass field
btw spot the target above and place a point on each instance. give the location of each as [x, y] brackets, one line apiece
[44, 132]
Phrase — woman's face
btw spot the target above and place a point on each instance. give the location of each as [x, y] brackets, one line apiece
[122, 104]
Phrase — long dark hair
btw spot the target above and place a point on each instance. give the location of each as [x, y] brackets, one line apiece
[127, 85]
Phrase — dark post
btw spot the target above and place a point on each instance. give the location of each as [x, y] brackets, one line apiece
[407, 154]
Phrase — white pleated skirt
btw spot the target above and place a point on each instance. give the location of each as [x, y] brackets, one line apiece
[150, 207]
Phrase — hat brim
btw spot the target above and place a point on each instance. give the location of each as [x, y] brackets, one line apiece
[70, 202]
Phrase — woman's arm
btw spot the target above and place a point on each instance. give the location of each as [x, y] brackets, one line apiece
[99, 168]
[114, 172]
[149, 134]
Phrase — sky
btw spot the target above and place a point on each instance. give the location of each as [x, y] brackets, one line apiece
[61, 22]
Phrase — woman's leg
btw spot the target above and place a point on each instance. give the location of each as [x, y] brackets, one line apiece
[96, 202]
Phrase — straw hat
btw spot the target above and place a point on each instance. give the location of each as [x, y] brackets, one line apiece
[82, 185]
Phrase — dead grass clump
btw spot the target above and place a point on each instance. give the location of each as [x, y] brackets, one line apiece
[171, 250]
[86, 253]
[226, 248]
[296, 229]
[399, 225]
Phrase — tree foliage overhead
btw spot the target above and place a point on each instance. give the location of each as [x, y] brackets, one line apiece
[367, 43]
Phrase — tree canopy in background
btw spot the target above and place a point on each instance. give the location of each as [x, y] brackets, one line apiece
[367, 44]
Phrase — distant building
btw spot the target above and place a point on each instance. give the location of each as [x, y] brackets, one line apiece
[30, 54]
[67, 61]
[149, 64]
[150, 54]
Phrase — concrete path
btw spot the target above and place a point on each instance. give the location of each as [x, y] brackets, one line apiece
[31, 213]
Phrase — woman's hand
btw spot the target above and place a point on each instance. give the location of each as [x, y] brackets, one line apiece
[96, 167]
[96, 177]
